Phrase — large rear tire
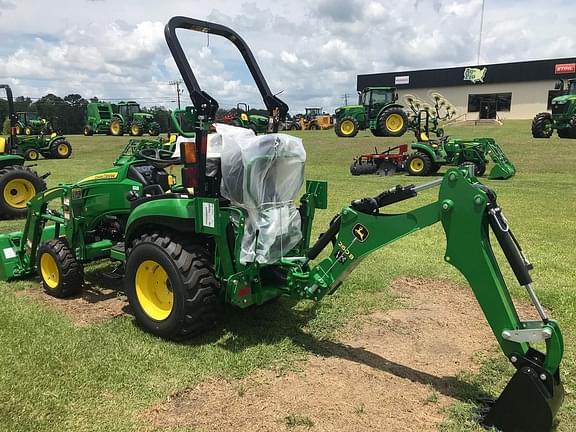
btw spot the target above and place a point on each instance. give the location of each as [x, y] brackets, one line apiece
[542, 125]
[419, 164]
[347, 127]
[171, 286]
[61, 274]
[393, 122]
[61, 150]
[18, 184]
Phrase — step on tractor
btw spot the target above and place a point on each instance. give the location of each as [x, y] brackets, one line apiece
[18, 183]
[51, 146]
[563, 116]
[234, 234]
[242, 118]
[98, 118]
[377, 110]
[30, 123]
[129, 118]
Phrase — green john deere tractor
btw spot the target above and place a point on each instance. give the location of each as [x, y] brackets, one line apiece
[29, 123]
[129, 118]
[51, 146]
[377, 110]
[184, 249]
[429, 155]
[563, 116]
[98, 117]
[243, 118]
[18, 184]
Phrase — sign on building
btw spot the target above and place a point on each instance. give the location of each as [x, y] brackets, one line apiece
[475, 74]
[564, 68]
[402, 79]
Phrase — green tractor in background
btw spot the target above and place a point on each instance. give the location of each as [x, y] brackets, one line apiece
[18, 184]
[51, 146]
[377, 110]
[563, 116]
[98, 117]
[30, 123]
[128, 118]
[243, 118]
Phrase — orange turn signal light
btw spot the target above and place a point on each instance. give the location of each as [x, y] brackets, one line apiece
[188, 151]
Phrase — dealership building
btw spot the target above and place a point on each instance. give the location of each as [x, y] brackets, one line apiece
[497, 91]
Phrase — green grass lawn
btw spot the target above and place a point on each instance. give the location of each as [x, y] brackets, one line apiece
[55, 376]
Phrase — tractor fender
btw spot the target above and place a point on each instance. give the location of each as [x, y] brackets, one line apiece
[387, 107]
[424, 149]
[56, 138]
[161, 212]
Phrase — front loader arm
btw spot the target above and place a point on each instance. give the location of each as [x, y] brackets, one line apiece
[467, 211]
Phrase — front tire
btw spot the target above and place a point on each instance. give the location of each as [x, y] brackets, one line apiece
[18, 184]
[61, 274]
[31, 155]
[419, 164]
[88, 131]
[347, 127]
[393, 122]
[171, 286]
[135, 129]
[116, 128]
[542, 125]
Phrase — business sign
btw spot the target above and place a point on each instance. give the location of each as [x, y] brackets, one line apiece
[402, 79]
[564, 68]
[475, 74]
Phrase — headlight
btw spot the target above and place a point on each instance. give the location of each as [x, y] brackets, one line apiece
[339, 110]
[560, 102]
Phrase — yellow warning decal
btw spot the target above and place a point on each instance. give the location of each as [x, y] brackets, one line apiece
[101, 176]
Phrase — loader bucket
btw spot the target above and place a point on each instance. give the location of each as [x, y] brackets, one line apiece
[502, 171]
[527, 404]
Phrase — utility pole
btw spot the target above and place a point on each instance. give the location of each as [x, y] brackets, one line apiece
[480, 33]
[177, 83]
[345, 99]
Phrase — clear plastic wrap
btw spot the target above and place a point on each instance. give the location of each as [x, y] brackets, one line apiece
[263, 175]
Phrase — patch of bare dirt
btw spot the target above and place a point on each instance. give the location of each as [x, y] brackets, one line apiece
[396, 373]
[93, 305]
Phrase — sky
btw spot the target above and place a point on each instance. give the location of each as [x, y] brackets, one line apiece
[310, 50]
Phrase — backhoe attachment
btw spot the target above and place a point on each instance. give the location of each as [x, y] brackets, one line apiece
[468, 212]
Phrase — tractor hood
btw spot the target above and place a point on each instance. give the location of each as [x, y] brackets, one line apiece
[349, 108]
[564, 98]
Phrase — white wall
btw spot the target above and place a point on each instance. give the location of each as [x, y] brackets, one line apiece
[528, 98]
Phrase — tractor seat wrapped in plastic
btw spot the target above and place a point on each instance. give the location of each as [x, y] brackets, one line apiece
[263, 175]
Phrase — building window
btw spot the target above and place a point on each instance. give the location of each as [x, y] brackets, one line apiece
[496, 101]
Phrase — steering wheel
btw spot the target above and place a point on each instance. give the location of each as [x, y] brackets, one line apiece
[160, 157]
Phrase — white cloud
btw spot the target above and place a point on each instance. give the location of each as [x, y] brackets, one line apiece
[311, 49]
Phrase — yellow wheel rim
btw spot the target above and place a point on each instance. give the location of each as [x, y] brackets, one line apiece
[394, 122]
[416, 165]
[153, 290]
[32, 155]
[115, 128]
[18, 192]
[28, 131]
[49, 270]
[135, 129]
[62, 149]
[347, 127]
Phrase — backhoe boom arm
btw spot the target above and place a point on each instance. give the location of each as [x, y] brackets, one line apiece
[467, 210]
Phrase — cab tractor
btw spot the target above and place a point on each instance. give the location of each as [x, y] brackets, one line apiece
[98, 117]
[18, 184]
[129, 118]
[243, 118]
[377, 110]
[234, 234]
[29, 123]
[563, 116]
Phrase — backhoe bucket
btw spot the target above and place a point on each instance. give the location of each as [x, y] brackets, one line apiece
[527, 404]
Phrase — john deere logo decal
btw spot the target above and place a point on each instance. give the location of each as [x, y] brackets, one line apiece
[475, 74]
[360, 232]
